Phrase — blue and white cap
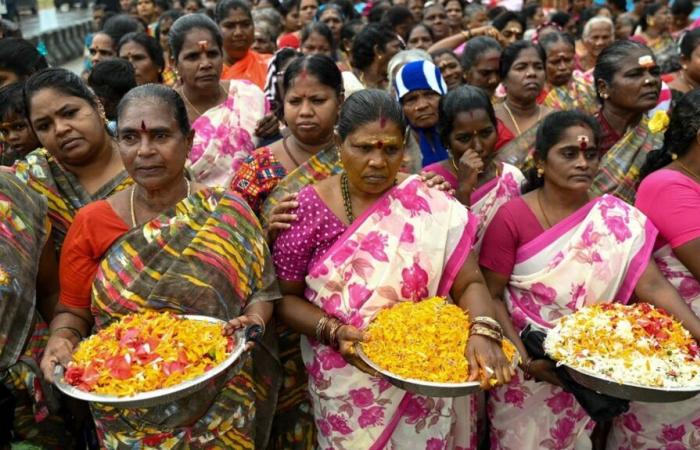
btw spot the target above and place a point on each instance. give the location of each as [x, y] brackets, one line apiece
[417, 76]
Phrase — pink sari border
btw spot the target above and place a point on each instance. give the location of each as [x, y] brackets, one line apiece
[383, 438]
[483, 190]
[445, 173]
[638, 264]
[537, 319]
[458, 256]
[541, 242]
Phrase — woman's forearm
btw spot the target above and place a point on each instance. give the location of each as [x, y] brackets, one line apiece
[71, 323]
[263, 310]
[299, 314]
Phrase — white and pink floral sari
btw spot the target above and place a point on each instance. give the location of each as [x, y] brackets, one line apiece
[672, 426]
[224, 135]
[383, 258]
[596, 255]
[488, 197]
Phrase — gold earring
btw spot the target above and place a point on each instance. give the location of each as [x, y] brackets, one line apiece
[540, 172]
[674, 156]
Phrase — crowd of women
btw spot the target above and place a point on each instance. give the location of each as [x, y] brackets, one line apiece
[301, 166]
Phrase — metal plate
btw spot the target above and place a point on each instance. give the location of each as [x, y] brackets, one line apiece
[159, 396]
[427, 388]
[634, 392]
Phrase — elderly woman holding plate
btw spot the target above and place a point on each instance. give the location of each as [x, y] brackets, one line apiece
[169, 244]
[356, 248]
[552, 251]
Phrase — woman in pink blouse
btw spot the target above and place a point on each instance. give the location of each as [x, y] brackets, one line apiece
[670, 196]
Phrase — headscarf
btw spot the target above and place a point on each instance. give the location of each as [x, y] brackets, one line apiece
[423, 76]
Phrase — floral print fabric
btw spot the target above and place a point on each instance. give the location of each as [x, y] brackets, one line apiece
[595, 255]
[377, 262]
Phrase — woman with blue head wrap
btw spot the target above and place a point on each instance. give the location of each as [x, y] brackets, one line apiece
[419, 86]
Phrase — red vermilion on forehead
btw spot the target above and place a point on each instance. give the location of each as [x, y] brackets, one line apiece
[382, 122]
[583, 142]
[494, 59]
[380, 144]
[143, 126]
[302, 74]
[203, 45]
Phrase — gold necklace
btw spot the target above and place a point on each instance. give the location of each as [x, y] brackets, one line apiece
[133, 209]
[544, 214]
[687, 169]
[515, 122]
[221, 90]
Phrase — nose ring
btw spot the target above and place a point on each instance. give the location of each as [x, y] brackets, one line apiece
[647, 81]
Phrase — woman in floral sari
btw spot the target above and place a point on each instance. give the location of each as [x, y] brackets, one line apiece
[670, 196]
[28, 288]
[173, 231]
[551, 252]
[226, 116]
[519, 115]
[468, 127]
[337, 272]
[628, 83]
[565, 88]
[78, 163]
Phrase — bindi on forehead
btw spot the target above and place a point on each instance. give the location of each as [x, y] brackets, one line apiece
[144, 128]
[303, 74]
[382, 122]
[646, 61]
[583, 142]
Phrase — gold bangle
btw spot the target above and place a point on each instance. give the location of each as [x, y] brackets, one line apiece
[320, 325]
[487, 321]
[261, 323]
[467, 35]
[486, 332]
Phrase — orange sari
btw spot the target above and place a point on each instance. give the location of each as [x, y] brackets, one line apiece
[252, 67]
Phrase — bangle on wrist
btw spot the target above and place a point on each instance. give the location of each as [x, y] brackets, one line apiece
[467, 35]
[481, 330]
[261, 323]
[73, 330]
[487, 322]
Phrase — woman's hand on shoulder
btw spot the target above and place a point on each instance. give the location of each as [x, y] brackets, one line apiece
[433, 180]
[487, 363]
[267, 127]
[281, 216]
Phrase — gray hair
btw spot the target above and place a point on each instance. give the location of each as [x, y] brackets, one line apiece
[595, 21]
[271, 17]
[404, 57]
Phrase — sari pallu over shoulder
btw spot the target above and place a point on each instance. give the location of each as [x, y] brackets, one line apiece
[318, 167]
[204, 256]
[619, 168]
[519, 151]
[576, 94]
[596, 255]
[65, 195]
[381, 259]
[673, 425]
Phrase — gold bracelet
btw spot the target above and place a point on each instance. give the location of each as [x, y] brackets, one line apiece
[486, 332]
[261, 323]
[320, 325]
[488, 322]
[332, 337]
[467, 35]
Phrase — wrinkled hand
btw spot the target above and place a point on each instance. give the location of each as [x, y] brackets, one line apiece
[280, 218]
[543, 370]
[347, 337]
[487, 362]
[469, 167]
[242, 322]
[267, 127]
[59, 351]
[432, 179]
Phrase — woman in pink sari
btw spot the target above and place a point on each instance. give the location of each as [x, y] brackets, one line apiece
[547, 254]
[468, 128]
[670, 196]
[337, 272]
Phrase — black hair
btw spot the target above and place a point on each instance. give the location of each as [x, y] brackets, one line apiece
[529, 10]
[278, 61]
[185, 24]
[610, 58]
[510, 55]
[502, 20]
[495, 12]
[648, 12]
[444, 51]
[61, 80]
[347, 7]
[377, 12]
[396, 15]
[110, 80]
[426, 28]
[682, 7]
[162, 94]
[319, 66]
[348, 33]
[288, 6]
[621, 5]
[120, 25]
[591, 12]
[172, 14]
[365, 41]
[20, 57]
[164, 5]
[12, 101]
[554, 38]
[330, 6]
[366, 106]
[689, 42]
[149, 43]
[550, 132]
[476, 47]
[319, 28]
[560, 18]
[463, 99]
[224, 8]
[681, 133]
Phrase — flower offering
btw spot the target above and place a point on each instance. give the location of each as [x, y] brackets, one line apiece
[424, 340]
[630, 344]
[148, 351]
